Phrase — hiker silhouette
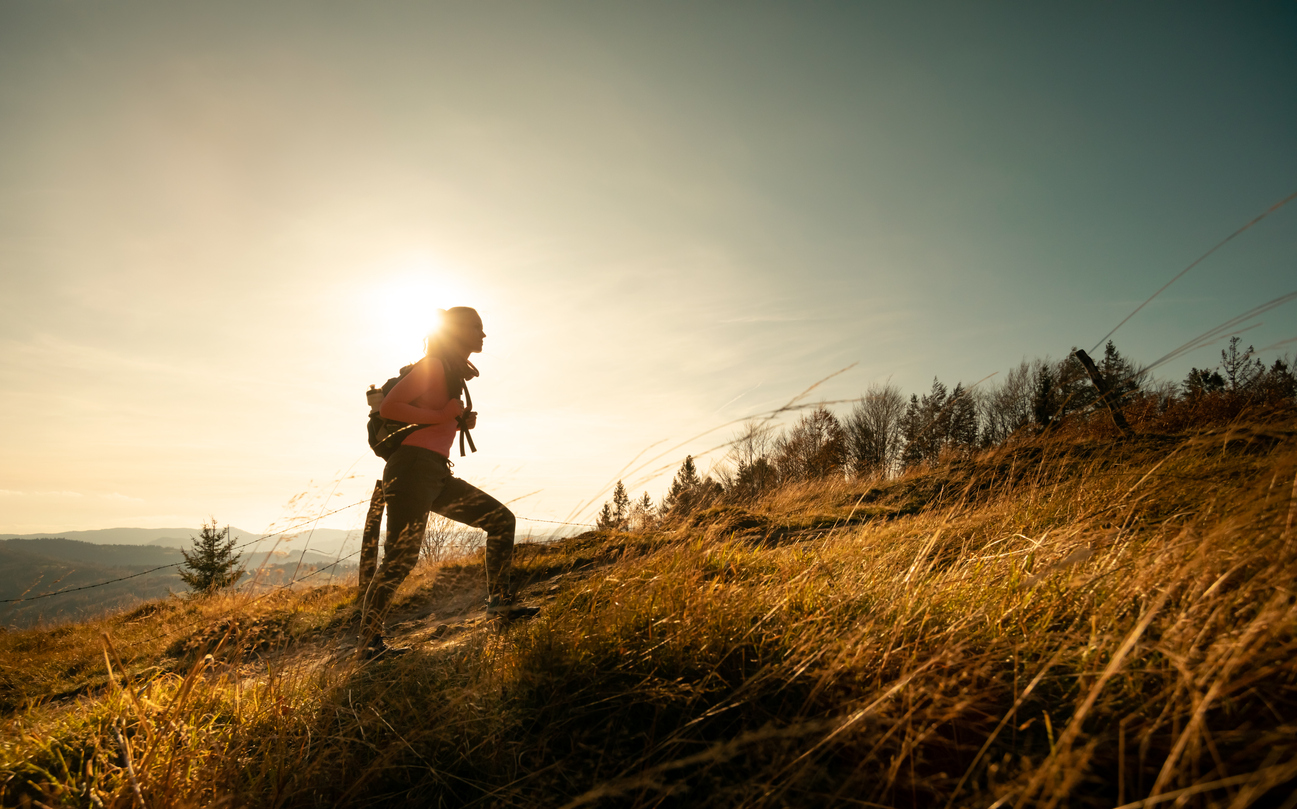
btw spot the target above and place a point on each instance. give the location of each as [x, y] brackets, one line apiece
[418, 480]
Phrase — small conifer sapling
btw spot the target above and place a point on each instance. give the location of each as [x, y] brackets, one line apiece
[212, 564]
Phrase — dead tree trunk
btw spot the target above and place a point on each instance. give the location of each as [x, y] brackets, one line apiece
[1106, 394]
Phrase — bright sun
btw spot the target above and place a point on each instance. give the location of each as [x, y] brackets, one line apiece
[405, 301]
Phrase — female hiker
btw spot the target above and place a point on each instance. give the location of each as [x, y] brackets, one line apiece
[417, 479]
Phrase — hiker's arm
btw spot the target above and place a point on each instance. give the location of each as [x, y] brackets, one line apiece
[424, 376]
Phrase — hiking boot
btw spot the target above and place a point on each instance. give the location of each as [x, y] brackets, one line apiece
[504, 608]
[378, 648]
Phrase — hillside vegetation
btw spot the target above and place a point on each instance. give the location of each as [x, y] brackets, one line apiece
[1066, 620]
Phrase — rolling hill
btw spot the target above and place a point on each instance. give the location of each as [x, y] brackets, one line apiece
[1065, 620]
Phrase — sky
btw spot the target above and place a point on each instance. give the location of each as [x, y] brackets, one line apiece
[219, 223]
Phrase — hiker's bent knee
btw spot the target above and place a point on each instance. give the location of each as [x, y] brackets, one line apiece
[501, 521]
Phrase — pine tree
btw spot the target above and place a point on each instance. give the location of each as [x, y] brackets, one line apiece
[962, 434]
[751, 480]
[620, 505]
[1044, 401]
[912, 432]
[1241, 369]
[1202, 380]
[605, 521]
[1074, 390]
[213, 564]
[683, 495]
[1123, 378]
[615, 516]
[1278, 383]
[926, 425]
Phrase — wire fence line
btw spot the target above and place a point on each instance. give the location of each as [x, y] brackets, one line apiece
[211, 621]
[262, 538]
[276, 588]
[794, 404]
[1195, 263]
[559, 522]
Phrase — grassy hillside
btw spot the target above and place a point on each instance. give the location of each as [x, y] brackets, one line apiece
[1061, 622]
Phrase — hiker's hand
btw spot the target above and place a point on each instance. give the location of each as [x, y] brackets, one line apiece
[469, 420]
[454, 408]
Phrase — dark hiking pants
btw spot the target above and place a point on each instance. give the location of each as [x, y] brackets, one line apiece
[417, 481]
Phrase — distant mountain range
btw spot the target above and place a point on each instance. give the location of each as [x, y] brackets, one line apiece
[35, 565]
[328, 541]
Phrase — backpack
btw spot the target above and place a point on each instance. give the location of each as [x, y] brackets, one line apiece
[385, 435]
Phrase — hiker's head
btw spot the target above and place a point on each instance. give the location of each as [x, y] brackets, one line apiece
[460, 331]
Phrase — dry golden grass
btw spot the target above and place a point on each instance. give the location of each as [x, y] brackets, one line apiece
[1067, 622]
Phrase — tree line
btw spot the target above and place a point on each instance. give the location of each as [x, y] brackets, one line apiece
[885, 434]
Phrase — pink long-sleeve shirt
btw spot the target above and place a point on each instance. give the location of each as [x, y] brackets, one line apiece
[421, 398]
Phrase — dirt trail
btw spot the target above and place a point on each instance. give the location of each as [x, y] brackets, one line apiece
[439, 611]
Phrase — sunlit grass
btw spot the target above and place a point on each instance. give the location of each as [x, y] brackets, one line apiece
[1063, 622]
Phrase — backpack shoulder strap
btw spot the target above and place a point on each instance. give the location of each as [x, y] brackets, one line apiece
[464, 434]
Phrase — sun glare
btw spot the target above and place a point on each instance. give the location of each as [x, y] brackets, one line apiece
[405, 302]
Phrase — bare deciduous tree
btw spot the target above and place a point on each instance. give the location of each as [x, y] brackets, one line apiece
[643, 514]
[873, 431]
[445, 539]
[815, 447]
[746, 472]
[1006, 407]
